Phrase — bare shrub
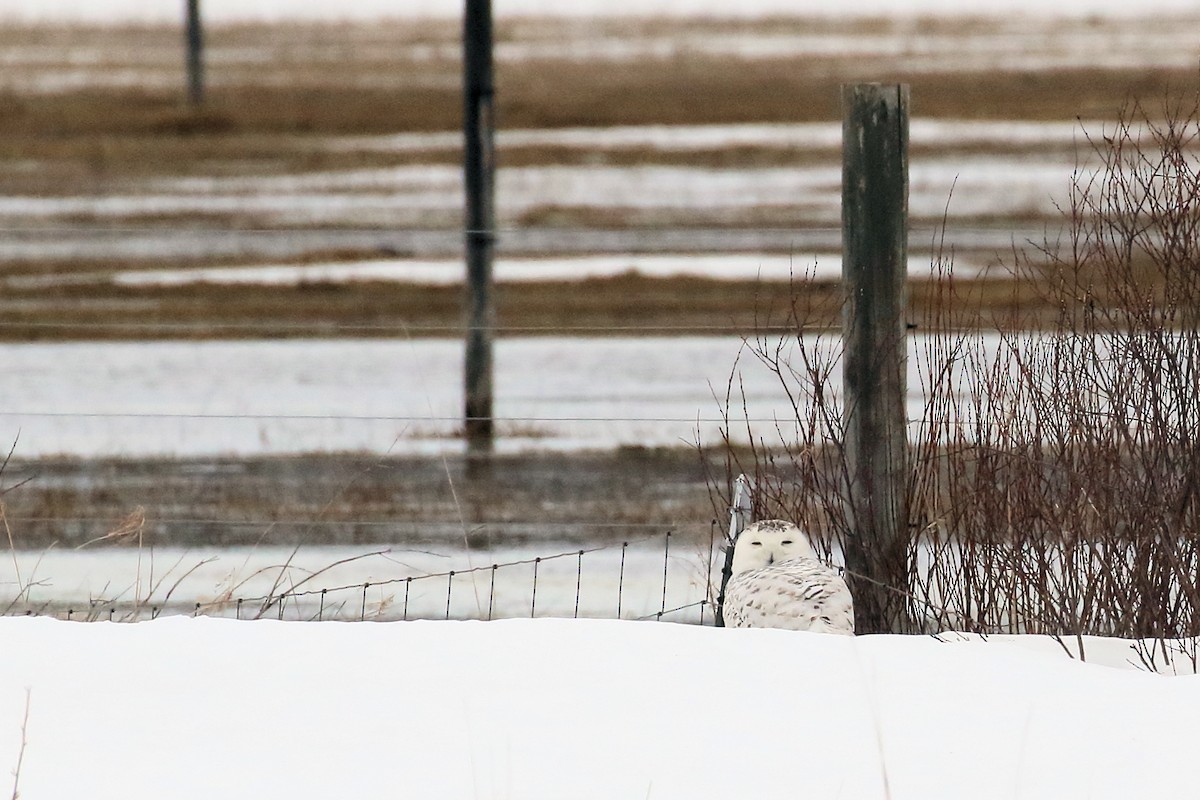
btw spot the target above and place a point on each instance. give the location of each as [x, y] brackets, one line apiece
[1053, 472]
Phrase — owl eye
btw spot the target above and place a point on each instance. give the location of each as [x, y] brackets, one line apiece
[786, 541]
[757, 544]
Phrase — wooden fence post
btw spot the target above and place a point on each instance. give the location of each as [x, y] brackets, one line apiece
[874, 256]
[478, 173]
[194, 42]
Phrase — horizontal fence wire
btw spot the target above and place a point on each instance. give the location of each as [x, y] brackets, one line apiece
[199, 415]
[471, 527]
[709, 420]
[641, 579]
[665, 232]
[426, 331]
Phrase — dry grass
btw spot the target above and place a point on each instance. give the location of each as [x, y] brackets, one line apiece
[16, 773]
[1053, 482]
[280, 94]
[154, 125]
[309, 82]
[359, 500]
[622, 305]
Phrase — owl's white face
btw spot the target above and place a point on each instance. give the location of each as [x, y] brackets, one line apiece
[769, 542]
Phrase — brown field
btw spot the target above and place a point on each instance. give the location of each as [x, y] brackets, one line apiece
[279, 95]
[94, 112]
[621, 305]
[362, 500]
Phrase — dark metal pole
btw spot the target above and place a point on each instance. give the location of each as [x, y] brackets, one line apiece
[478, 173]
[194, 39]
[874, 266]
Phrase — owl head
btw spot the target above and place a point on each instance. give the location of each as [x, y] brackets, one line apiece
[768, 542]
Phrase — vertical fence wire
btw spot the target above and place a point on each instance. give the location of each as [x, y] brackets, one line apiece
[557, 599]
[666, 563]
[712, 543]
[492, 592]
[533, 599]
[578, 582]
[621, 578]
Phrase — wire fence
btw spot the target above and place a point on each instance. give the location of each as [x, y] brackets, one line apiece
[655, 577]
[660, 577]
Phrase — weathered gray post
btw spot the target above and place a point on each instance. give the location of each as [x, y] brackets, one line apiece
[194, 41]
[479, 168]
[874, 255]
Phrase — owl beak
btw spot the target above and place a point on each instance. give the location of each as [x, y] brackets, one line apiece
[770, 560]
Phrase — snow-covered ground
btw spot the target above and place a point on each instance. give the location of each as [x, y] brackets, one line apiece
[1015, 185]
[731, 266]
[243, 398]
[404, 396]
[203, 708]
[797, 136]
[174, 398]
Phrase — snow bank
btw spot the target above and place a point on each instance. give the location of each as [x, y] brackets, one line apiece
[203, 708]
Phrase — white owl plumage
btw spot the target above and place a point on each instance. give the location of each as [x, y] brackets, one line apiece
[777, 582]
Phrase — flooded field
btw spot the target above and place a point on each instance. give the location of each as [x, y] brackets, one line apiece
[223, 399]
[678, 145]
[239, 325]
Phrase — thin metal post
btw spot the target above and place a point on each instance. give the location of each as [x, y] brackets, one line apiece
[578, 581]
[666, 565]
[533, 598]
[194, 41]
[739, 516]
[492, 592]
[479, 180]
[621, 578]
[874, 262]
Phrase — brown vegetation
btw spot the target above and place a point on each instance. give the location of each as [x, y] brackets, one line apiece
[1053, 486]
[280, 95]
[311, 82]
[359, 499]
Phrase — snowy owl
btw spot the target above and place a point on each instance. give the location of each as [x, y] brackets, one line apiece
[777, 582]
